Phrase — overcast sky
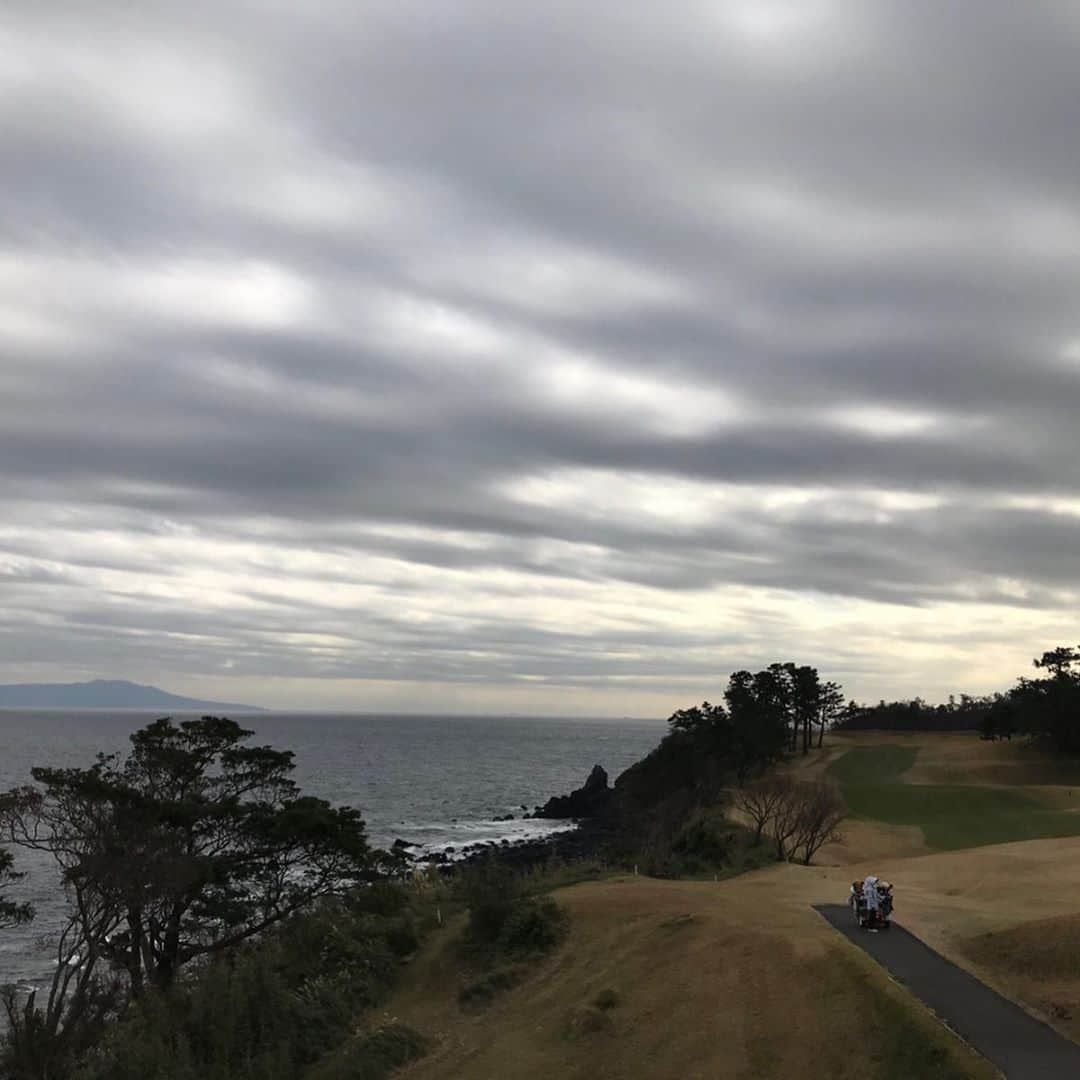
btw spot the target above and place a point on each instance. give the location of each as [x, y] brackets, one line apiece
[541, 357]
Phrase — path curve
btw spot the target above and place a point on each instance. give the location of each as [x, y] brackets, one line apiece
[1021, 1046]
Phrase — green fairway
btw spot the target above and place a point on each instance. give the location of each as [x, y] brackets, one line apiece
[873, 764]
[950, 816]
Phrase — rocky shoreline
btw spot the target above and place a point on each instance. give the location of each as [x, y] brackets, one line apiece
[579, 840]
[582, 838]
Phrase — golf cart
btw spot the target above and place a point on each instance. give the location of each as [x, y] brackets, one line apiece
[867, 913]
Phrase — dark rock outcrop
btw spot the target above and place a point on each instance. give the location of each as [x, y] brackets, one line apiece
[585, 841]
[588, 801]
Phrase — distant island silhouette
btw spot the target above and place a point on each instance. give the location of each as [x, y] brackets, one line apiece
[106, 694]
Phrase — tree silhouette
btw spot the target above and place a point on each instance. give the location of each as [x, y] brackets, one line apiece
[1049, 708]
[11, 913]
[191, 844]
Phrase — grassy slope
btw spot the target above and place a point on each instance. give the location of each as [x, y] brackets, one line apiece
[738, 979]
[1011, 912]
[741, 979]
[1040, 960]
[951, 816]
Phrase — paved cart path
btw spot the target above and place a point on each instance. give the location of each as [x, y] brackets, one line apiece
[1018, 1044]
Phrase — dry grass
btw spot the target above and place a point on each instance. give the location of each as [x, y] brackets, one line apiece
[1024, 898]
[736, 979]
[1040, 962]
[956, 757]
[743, 979]
[963, 758]
[879, 840]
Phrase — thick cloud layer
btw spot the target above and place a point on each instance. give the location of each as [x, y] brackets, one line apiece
[546, 357]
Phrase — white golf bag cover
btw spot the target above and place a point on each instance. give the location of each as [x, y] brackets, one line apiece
[870, 892]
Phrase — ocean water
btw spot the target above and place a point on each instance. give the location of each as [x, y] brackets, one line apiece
[437, 781]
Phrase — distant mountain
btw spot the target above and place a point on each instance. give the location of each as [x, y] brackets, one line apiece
[107, 694]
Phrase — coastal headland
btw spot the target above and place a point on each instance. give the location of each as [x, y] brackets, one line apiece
[742, 978]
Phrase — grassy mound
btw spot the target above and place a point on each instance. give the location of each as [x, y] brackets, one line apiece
[951, 816]
[1041, 949]
[1037, 963]
[901, 1043]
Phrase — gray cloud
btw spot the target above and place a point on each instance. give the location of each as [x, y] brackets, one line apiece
[580, 354]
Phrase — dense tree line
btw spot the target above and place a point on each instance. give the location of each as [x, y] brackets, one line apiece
[1046, 708]
[965, 714]
[766, 716]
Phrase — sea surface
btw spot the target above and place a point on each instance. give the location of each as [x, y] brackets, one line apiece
[436, 781]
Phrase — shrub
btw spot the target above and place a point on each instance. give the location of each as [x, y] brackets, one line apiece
[491, 891]
[384, 898]
[821, 810]
[533, 926]
[402, 936]
[588, 1020]
[482, 991]
[373, 1056]
[557, 873]
[705, 841]
[799, 817]
[605, 1000]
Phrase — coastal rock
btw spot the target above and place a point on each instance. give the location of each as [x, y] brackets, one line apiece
[503, 817]
[401, 847]
[585, 841]
[588, 801]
